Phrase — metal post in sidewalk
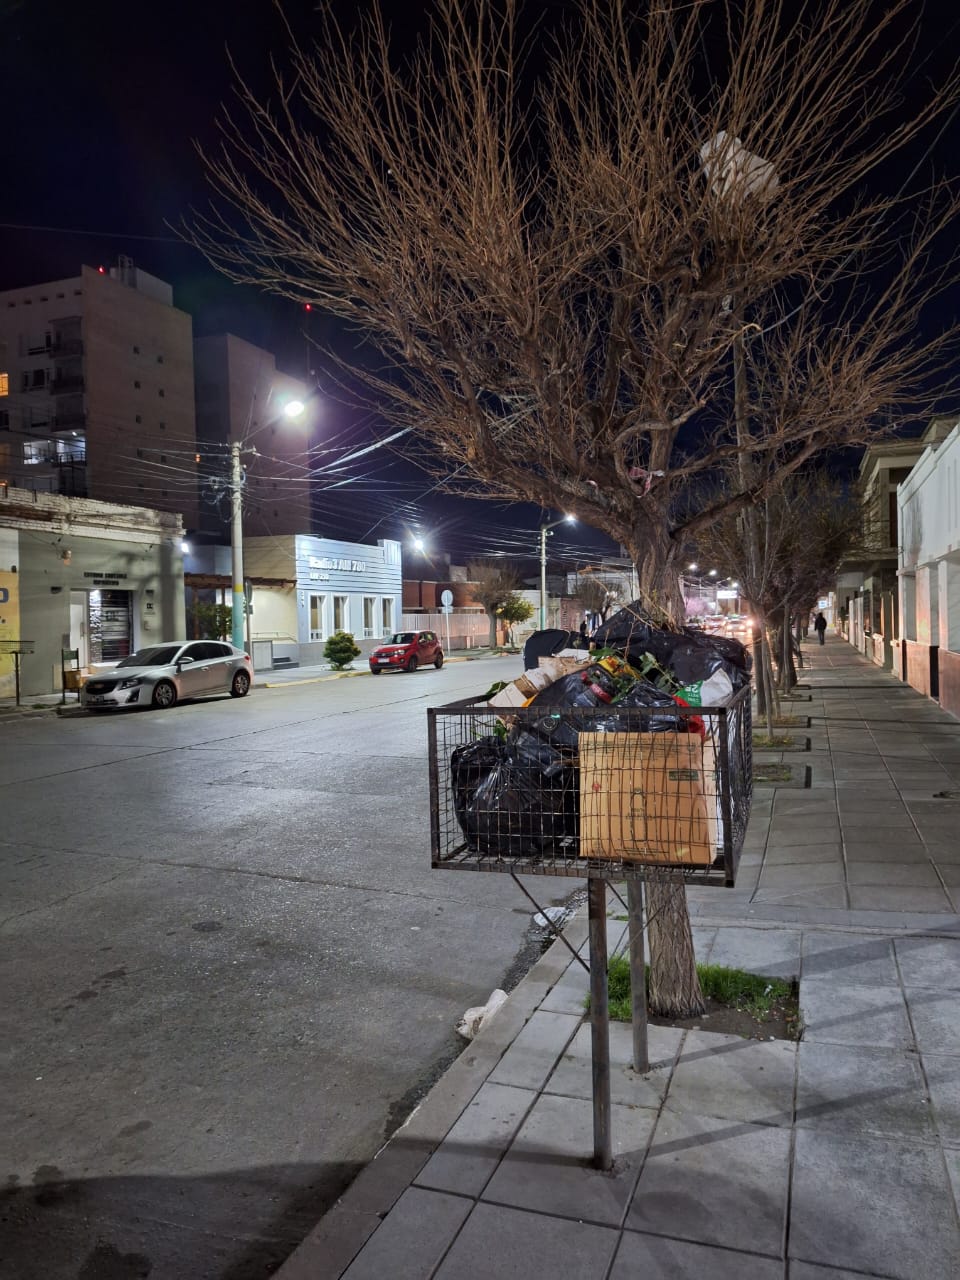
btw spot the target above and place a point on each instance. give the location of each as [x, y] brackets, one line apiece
[599, 1023]
[638, 976]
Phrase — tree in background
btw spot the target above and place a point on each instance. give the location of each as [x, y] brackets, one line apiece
[515, 610]
[211, 621]
[564, 270]
[593, 595]
[804, 527]
[492, 584]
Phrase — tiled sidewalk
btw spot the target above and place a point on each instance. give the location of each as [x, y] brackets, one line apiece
[734, 1160]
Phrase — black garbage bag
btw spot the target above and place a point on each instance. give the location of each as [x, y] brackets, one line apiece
[660, 712]
[737, 660]
[689, 655]
[514, 796]
[544, 644]
[552, 713]
[631, 631]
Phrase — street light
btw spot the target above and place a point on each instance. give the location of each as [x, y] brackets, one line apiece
[544, 530]
[239, 616]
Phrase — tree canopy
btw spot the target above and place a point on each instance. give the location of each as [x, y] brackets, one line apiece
[552, 246]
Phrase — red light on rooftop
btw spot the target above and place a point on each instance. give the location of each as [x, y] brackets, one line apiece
[307, 306]
[102, 270]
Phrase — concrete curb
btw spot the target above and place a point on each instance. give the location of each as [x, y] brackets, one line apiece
[343, 1230]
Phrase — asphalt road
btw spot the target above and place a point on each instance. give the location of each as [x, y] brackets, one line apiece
[226, 969]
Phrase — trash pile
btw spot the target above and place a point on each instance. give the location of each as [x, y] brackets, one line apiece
[518, 791]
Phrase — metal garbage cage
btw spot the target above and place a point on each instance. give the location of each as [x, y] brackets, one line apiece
[597, 793]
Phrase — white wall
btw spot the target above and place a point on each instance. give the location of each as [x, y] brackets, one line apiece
[929, 502]
[274, 613]
[929, 511]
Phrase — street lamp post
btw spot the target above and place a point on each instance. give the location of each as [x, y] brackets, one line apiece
[236, 548]
[239, 618]
[544, 530]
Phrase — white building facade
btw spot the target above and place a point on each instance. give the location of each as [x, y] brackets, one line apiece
[929, 572]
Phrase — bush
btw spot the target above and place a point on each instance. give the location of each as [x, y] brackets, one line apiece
[340, 650]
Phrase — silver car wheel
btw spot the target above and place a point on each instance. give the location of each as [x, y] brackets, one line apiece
[164, 695]
[241, 685]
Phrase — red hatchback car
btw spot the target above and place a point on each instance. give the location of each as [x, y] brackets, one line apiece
[406, 651]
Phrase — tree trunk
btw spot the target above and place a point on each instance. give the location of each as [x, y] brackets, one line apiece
[674, 983]
[655, 558]
[492, 619]
[759, 682]
[766, 678]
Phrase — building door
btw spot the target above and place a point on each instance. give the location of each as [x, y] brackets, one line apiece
[78, 625]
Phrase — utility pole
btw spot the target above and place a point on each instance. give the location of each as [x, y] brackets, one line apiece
[236, 547]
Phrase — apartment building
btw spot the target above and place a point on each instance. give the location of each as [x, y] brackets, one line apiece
[97, 390]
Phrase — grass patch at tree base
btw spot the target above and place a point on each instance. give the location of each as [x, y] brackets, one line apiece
[772, 773]
[738, 1003]
[764, 742]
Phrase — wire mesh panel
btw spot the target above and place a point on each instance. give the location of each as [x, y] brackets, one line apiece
[591, 791]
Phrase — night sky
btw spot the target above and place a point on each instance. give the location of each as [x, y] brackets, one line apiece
[104, 101]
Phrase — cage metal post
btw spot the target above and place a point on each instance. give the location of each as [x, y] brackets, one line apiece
[433, 774]
[726, 798]
[638, 975]
[599, 1022]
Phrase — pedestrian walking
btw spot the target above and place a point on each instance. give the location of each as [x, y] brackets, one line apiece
[820, 626]
[584, 635]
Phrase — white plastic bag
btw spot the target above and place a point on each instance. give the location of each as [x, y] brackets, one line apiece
[715, 691]
[477, 1017]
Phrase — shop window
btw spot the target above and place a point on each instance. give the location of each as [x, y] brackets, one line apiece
[317, 610]
[369, 617]
[109, 625]
[386, 616]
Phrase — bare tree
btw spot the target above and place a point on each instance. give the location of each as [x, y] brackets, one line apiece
[492, 583]
[555, 265]
[804, 526]
[593, 594]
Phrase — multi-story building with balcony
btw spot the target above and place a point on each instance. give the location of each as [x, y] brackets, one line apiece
[97, 390]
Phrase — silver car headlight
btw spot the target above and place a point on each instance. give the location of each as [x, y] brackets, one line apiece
[130, 683]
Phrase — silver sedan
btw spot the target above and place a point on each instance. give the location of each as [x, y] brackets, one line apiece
[163, 673]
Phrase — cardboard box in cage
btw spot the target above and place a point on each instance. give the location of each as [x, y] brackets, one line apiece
[644, 796]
